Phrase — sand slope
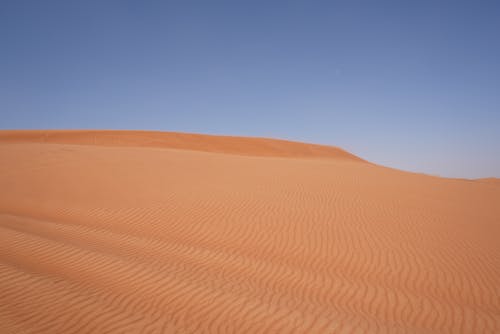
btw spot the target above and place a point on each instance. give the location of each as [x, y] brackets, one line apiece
[186, 141]
[146, 232]
[490, 180]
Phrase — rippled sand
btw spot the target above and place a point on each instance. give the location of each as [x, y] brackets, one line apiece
[147, 232]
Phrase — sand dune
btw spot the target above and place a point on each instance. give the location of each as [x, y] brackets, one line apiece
[186, 141]
[490, 180]
[148, 232]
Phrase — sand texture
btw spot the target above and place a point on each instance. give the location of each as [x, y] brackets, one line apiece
[148, 232]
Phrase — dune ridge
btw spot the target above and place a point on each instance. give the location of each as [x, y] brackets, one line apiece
[144, 232]
[177, 140]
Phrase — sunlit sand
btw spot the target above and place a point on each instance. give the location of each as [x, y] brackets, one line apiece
[150, 232]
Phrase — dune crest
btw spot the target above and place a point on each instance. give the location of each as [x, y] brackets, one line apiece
[176, 140]
[103, 232]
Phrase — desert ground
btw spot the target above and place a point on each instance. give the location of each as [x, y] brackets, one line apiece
[151, 232]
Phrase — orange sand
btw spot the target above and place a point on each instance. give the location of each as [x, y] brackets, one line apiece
[147, 232]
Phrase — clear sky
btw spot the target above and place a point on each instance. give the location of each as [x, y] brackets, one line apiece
[409, 84]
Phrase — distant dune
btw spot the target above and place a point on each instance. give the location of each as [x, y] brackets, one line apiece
[150, 232]
[185, 141]
[490, 180]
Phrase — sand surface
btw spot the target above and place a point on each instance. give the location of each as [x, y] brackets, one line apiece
[146, 232]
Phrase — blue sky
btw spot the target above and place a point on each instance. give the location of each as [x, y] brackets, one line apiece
[408, 84]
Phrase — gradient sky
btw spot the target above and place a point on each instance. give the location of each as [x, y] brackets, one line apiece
[408, 84]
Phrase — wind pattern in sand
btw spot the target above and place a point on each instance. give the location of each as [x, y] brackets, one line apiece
[136, 232]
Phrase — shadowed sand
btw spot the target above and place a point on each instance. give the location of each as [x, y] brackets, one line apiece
[149, 232]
